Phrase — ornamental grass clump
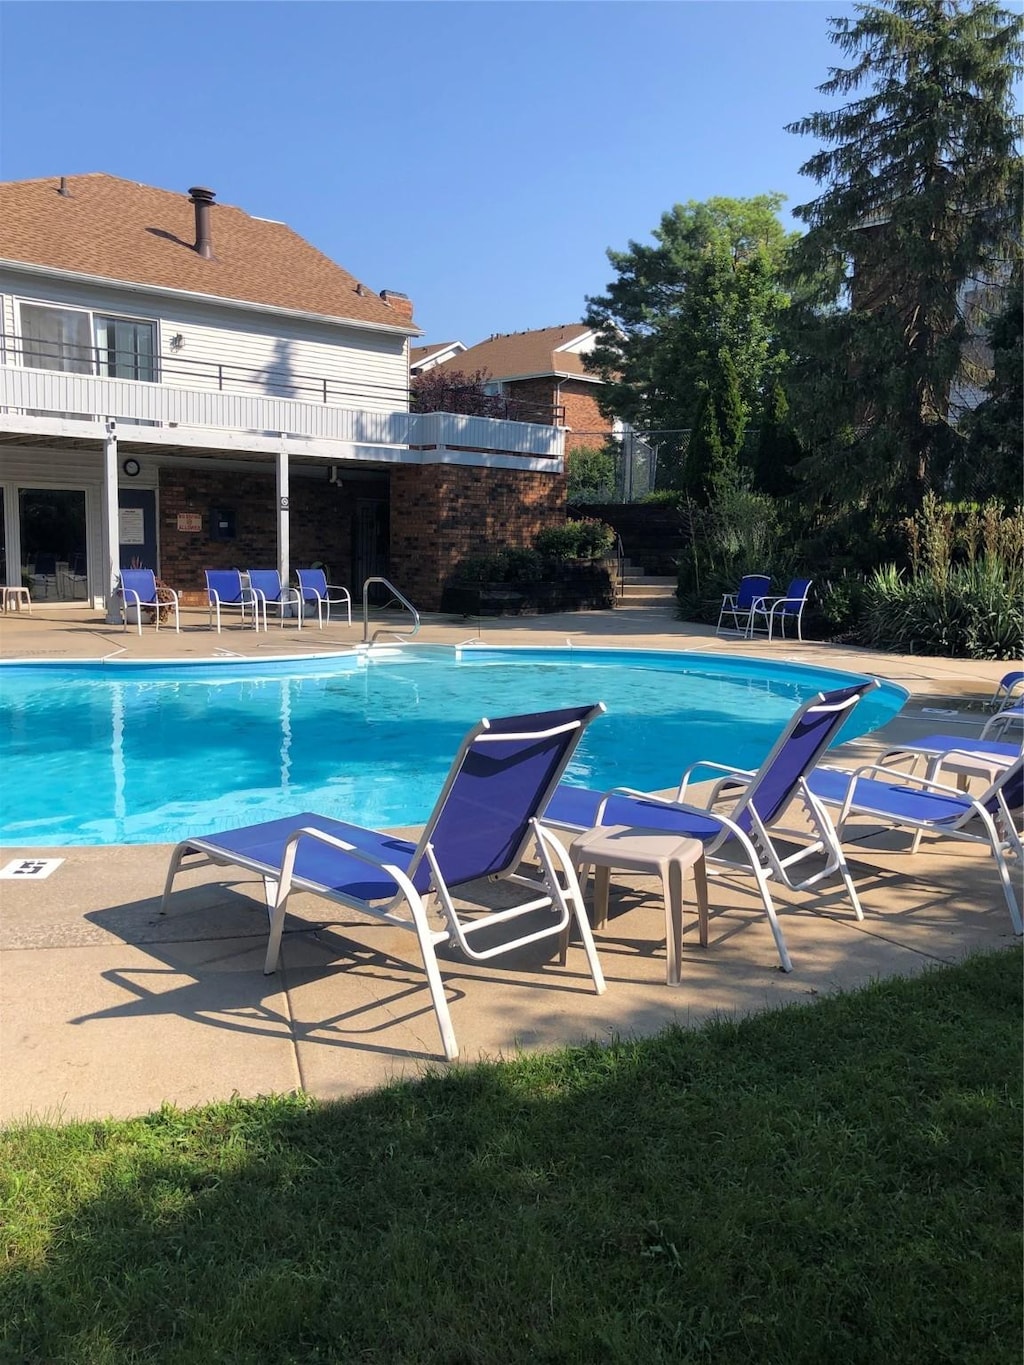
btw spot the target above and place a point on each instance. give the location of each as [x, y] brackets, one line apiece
[965, 591]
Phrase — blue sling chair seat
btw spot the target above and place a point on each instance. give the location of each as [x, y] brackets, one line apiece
[928, 807]
[484, 821]
[738, 824]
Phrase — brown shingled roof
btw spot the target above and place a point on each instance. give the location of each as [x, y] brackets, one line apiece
[119, 230]
[517, 355]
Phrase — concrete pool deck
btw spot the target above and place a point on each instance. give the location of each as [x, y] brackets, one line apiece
[108, 1007]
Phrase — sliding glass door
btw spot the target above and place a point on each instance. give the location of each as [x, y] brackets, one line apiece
[53, 539]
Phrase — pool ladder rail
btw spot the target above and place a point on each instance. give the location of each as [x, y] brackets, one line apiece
[396, 599]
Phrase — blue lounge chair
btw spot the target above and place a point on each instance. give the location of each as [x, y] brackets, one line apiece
[1006, 689]
[482, 824]
[1012, 713]
[927, 807]
[983, 758]
[272, 596]
[315, 588]
[757, 801]
[137, 589]
[738, 604]
[226, 588]
[776, 611]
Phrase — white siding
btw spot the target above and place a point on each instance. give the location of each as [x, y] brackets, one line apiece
[239, 351]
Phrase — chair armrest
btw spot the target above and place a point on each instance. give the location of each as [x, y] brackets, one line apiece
[725, 768]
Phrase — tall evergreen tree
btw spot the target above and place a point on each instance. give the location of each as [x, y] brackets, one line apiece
[778, 450]
[730, 408]
[922, 195]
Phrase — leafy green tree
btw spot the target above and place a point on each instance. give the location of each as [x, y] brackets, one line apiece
[922, 195]
[710, 281]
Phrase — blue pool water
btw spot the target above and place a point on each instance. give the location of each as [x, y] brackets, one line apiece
[150, 753]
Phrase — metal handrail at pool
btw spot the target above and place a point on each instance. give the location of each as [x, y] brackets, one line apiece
[396, 597]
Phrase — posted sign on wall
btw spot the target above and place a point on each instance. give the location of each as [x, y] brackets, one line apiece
[131, 526]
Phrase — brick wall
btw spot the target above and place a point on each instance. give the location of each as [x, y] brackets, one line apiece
[441, 513]
[320, 529]
[582, 415]
[579, 400]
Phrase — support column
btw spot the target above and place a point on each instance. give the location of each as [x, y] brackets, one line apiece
[283, 522]
[111, 527]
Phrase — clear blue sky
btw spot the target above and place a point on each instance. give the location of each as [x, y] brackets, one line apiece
[480, 157]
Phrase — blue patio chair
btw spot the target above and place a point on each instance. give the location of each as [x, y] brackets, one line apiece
[776, 611]
[137, 589]
[927, 807]
[314, 587]
[270, 595]
[227, 588]
[1006, 689]
[481, 826]
[738, 604]
[754, 803]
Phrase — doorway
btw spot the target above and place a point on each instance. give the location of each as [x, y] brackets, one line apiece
[52, 528]
[370, 545]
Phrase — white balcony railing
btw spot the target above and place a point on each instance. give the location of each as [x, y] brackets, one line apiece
[46, 397]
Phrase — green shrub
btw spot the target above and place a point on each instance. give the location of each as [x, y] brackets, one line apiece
[513, 565]
[586, 538]
[590, 473]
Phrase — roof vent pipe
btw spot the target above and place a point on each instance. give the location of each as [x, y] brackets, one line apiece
[64, 192]
[203, 200]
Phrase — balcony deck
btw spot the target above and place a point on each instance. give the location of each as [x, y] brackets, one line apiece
[52, 404]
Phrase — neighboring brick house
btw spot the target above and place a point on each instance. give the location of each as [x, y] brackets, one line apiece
[542, 376]
[190, 386]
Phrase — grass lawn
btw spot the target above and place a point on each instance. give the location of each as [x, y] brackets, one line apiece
[832, 1183]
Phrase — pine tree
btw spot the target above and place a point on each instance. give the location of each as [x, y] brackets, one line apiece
[704, 455]
[778, 450]
[922, 195]
[730, 410]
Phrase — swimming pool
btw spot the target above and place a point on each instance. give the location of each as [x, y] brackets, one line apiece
[100, 753]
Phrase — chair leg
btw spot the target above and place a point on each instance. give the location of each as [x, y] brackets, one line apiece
[700, 883]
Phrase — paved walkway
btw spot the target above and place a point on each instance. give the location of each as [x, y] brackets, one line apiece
[110, 1008]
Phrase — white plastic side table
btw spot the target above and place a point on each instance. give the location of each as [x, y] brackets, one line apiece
[658, 854]
[16, 598]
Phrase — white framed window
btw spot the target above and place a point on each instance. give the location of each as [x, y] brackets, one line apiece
[78, 341]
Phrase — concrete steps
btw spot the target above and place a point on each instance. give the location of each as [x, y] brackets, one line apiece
[646, 592]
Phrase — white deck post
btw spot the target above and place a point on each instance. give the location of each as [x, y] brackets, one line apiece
[111, 527]
[283, 546]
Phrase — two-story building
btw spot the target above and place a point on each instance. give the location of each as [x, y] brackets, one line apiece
[186, 386]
